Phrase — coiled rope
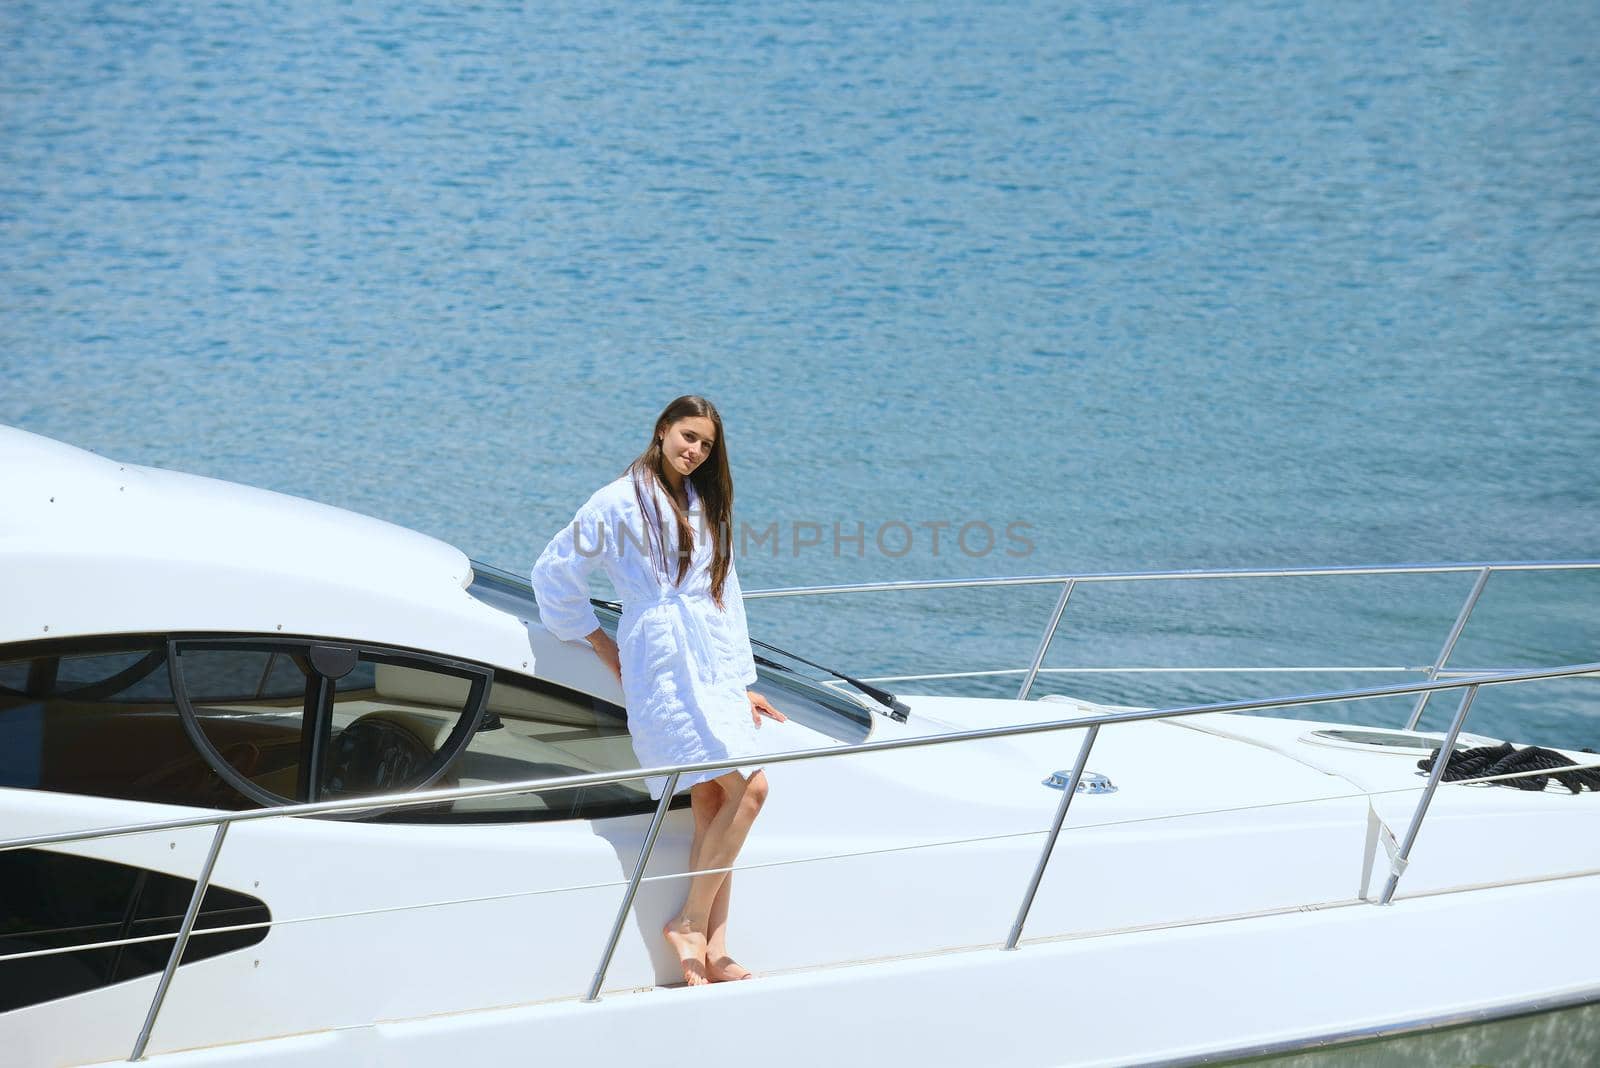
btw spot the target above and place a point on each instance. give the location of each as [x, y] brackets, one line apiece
[1505, 759]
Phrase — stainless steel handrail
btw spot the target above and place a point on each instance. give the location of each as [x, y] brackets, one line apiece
[1173, 576]
[428, 797]
[1151, 669]
[1049, 635]
[1450, 642]
[1319, 799]
[1068, 582]
[1069, 791]
[1436, 775]
[201, 884]
[617, 924]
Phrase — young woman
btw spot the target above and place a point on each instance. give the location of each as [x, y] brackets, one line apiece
[663, 532]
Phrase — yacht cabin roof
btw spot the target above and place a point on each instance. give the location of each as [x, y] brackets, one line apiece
[91, 546]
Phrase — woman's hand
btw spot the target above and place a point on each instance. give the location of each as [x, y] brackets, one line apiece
[759, 706]
[605, 647]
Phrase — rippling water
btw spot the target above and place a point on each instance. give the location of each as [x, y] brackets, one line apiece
[1175, 285]
[1561, 1039]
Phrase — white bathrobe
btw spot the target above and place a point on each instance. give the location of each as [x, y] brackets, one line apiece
[685, 662]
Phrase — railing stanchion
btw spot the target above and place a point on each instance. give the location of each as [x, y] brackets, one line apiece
[1449, 645]
[1044, 643]
[633, 887]
[1403, 856]
[1050, 840]
[184, 930]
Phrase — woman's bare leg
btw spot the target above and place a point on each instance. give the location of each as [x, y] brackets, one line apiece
[717, 846]
[721, 968]
[706, 800]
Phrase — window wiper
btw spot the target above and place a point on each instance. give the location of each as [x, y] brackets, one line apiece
[898, 709]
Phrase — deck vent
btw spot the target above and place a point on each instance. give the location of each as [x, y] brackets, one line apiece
[1091, 783]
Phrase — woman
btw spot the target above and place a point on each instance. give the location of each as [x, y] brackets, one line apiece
[663, 533]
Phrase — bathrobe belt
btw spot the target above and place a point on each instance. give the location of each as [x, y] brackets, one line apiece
[691, 620]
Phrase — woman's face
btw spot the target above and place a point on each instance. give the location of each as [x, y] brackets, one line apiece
[687, 443]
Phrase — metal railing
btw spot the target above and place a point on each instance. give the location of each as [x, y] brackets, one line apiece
[1437, 679]
[223, 821]
[1069, 582]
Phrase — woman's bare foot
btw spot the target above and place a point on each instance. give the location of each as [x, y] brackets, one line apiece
[724, 969]
[690, 946]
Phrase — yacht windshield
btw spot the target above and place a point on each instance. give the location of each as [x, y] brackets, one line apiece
[804, 700]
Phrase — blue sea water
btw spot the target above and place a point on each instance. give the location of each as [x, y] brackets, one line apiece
[1173, 285]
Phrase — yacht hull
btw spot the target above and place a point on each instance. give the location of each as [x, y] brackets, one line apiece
[1168, 995]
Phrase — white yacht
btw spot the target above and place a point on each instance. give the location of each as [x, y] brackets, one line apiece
[203, 687]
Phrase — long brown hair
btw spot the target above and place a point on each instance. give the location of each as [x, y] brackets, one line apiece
[712, 482]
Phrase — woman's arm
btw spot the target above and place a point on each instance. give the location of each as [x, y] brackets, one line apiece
[561, 577]
[745, 664]
[733, 602]
[605, 647]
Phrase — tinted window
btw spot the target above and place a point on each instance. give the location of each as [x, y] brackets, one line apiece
[56, 900]
[393, 721]
[542, 731]
[299, 720]
[250, 704]
[99, 718]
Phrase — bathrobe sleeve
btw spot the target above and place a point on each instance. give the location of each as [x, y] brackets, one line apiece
[561, 575]
[744, 664]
